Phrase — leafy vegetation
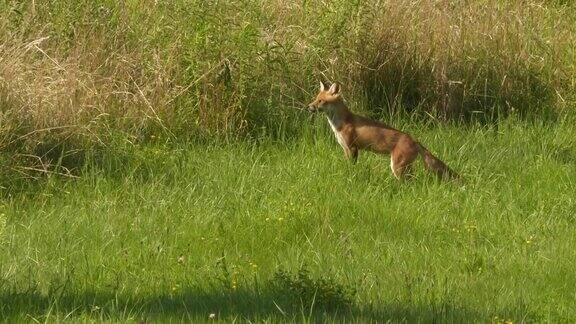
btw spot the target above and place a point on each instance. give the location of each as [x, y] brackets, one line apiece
[205, 229]
[155, 164]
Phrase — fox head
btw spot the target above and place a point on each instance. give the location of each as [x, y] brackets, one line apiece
[326, 98]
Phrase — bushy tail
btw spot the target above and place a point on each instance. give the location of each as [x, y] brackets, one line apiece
[435, 165]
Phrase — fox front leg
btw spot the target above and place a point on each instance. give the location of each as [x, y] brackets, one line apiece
[351, 154]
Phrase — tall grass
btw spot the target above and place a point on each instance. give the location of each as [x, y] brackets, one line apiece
[84, 75]
[177, 214]
[455, 59]
[293, 233]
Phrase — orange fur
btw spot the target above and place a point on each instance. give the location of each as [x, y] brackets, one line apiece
[355, 132]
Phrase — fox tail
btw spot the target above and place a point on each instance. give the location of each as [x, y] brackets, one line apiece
[435, 165]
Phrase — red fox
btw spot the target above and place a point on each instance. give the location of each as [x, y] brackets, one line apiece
[355, 132]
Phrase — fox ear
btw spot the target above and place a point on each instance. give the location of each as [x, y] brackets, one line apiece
[322, 86]
[334, 88]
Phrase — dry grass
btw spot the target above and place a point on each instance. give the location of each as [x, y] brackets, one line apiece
[46, 88]
[455, 59]
[80, 73]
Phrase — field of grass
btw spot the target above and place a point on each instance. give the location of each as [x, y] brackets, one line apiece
[72, 70]
[155, 164]
[290, 231]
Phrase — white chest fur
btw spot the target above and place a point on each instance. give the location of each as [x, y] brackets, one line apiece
[334, 124]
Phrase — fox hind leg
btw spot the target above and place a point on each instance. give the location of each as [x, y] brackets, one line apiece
[401, 165]
[399, 171]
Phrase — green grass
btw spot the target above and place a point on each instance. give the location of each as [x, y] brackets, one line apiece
[202, 190]
[71, 70]
[290, 231]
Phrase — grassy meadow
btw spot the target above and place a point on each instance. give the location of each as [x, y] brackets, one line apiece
[156, 164]
[292, 232]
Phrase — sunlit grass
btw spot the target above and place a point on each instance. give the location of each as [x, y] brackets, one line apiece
[185, 233]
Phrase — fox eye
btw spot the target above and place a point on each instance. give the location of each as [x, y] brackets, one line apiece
[320, 102]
